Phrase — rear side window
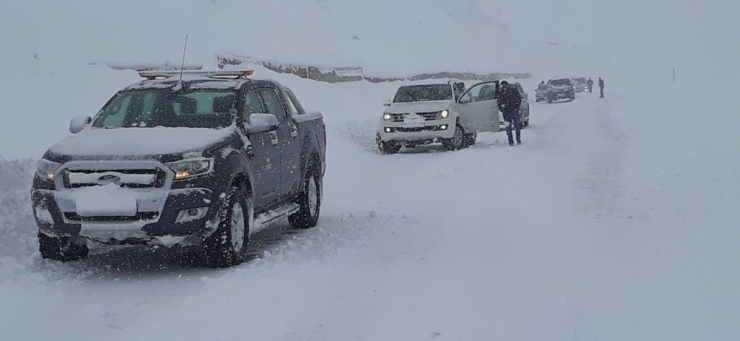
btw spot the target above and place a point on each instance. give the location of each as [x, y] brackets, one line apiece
[273, 103]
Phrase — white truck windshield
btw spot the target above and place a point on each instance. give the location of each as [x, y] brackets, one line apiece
[419, 93]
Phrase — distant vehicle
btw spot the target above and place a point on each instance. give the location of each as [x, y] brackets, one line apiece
[423, 114]
[579, 84]
[524, 109]
[541, 92]
[207, 162]
[561, 88]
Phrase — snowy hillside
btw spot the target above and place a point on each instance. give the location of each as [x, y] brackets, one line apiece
[615, 220]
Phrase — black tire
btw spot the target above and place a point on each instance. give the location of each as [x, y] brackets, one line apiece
[457, 142]
[309, 200]
[470, 139]
[389, 147]
[61, 249]
[227, 245]
[549, 100]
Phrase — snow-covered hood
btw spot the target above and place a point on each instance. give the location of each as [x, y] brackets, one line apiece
[135, 142]
[431, 106]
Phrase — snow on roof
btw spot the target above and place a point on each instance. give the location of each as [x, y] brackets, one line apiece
[194, 83]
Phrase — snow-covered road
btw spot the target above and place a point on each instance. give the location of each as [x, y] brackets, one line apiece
[541, 241]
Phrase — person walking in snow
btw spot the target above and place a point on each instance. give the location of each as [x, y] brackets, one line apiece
[590, 84]
[509, 102]
[601, 85]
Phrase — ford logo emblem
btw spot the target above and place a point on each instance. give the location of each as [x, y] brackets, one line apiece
[109, 179]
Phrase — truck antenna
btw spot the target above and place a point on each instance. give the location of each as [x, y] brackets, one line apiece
[182, 66]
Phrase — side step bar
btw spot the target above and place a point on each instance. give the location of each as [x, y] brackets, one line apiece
[264, 220]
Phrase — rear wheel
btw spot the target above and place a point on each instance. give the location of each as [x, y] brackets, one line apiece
[61, 249]
[310, 203]
[470, 139]
[226, 246]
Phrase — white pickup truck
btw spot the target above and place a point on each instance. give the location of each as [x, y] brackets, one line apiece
[427, 113]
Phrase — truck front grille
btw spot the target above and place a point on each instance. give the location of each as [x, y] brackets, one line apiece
[129, 178]
[428, 116]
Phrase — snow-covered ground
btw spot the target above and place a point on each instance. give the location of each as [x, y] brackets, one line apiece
[615, 220]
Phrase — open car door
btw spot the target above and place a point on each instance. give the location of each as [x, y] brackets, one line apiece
[478, 108]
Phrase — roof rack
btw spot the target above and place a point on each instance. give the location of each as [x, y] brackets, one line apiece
[236, 74]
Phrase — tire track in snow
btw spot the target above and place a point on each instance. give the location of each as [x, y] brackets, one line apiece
[602, 179]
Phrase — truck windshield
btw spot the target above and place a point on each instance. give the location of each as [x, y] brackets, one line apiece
[202, 108]
[560, 82]
[418, 93]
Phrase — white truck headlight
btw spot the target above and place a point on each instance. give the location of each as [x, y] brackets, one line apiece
[387, 117]
[46, 169]
[444, 114]
[191, 167]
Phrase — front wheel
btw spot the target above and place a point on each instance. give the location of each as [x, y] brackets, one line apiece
[61, 249]
[389, 147]
[226, 246]
[457, 141]
[309, 201]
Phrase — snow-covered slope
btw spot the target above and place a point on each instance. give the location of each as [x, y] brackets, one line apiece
[616, 220]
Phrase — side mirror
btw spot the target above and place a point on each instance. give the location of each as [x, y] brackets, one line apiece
[262, 123]
[78, 123]
[387, 103]
[465, 99]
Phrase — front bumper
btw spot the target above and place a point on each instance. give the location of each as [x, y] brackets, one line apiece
[158, 215]
[422, 131]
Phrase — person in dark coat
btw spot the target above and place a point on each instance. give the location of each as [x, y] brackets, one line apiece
[590, 84]
[509, 102]
[601, 85]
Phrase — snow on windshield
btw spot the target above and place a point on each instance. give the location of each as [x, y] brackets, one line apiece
[560, 82]
[419, 93]
[207, 108]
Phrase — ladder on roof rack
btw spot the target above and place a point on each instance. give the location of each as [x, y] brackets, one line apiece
[237, 74]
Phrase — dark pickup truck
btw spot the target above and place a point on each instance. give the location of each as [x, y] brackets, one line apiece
[199, 159]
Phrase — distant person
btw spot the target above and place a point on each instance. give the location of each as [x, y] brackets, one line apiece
[590, 84]
[509, 102]
[459, 90]
[601, 85]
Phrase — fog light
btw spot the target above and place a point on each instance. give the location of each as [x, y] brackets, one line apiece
[191, 214]
[387, 130]
[443, 127]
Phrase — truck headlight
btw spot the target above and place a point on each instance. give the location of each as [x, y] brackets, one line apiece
[191, 167]
[46, 169]
[387, 117]
[444, 113]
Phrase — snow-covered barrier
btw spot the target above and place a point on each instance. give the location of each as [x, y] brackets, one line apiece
[353, 74]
